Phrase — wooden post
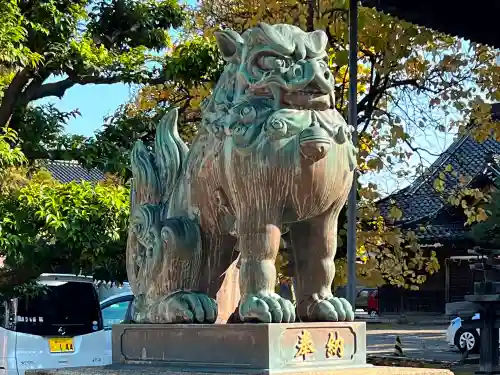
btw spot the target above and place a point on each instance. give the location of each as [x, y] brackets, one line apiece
[447, 280]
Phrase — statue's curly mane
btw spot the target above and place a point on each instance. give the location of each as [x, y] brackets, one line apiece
[217, 104]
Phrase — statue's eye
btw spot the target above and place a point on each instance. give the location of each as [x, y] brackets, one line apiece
[272, 62]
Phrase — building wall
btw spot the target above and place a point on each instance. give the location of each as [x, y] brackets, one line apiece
[440, 288]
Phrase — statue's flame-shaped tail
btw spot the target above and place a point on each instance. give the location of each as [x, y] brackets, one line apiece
[155, 175]
[170, 152]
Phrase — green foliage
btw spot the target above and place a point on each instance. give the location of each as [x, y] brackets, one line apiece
[487, 233]
[186, 68]
[75, 227]
[9, 156]
[110, 149]
[128, 24]
[80, 42]
[12, 36]
[41, 131]
[194, 62]
[48, 226]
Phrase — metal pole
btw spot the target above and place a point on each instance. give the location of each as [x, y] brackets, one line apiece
[353, 115]
[310, 15]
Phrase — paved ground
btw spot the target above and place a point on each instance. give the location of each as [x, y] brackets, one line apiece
[417, 342]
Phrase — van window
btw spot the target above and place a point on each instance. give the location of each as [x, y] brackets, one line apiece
[64, 309]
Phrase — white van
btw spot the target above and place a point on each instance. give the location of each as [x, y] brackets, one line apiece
[60, 327]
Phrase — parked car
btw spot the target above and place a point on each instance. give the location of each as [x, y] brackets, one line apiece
[373, 304]
[461, 338]
[114, 310]
[59, 327]
[106, 290]
[367, 299]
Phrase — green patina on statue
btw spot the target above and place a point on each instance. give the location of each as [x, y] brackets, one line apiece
[272, 150]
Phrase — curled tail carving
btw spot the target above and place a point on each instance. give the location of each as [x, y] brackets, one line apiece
[171, 152]
[155, 174]
[154, 177]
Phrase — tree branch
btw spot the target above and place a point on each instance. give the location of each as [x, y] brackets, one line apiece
[33, 86]
[59, 88]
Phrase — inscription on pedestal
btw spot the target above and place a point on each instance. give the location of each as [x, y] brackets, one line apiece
[319, 344]
[251, 348]
[335, 345]
[305, 345]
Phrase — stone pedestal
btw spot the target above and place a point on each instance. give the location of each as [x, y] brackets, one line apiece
[242, 348]
[159, 370]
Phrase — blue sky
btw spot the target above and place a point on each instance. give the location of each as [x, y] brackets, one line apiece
[94, 103]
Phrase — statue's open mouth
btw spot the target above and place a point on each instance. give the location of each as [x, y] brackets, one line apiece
[306, 100]
[311, 97]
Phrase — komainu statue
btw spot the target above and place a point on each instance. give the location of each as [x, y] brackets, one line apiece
[271, 151]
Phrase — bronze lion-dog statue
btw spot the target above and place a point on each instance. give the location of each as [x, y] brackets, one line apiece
[271, 150]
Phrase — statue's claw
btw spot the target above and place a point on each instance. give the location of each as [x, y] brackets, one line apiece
[189, 307]
[266, 308]
[330, 309]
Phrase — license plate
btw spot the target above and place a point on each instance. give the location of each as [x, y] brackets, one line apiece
[60, 345]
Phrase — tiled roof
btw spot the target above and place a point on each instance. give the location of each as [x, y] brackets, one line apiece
[67, 171]
[443, 231]
[468, 158]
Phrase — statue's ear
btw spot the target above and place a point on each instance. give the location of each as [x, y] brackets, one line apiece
[230, 45]
[319, 40]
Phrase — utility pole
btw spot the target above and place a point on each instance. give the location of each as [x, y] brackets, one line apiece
[310, 15]
[353, 120]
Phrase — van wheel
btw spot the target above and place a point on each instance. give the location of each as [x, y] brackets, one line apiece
[373, 313]
[467, 340]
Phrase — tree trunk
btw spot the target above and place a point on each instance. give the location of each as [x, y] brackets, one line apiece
[12, 95]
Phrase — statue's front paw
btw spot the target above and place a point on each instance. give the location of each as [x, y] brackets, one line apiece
[266, 308]
[329, 309]
[188, 307]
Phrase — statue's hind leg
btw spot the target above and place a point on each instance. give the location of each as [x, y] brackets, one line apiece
[314, 244]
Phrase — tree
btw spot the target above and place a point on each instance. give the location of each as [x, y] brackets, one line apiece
[48, 226]
[47, 47]
[187, 69]
[41, 131]
[413, 82]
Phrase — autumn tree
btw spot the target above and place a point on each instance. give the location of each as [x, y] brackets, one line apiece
[413, 83]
